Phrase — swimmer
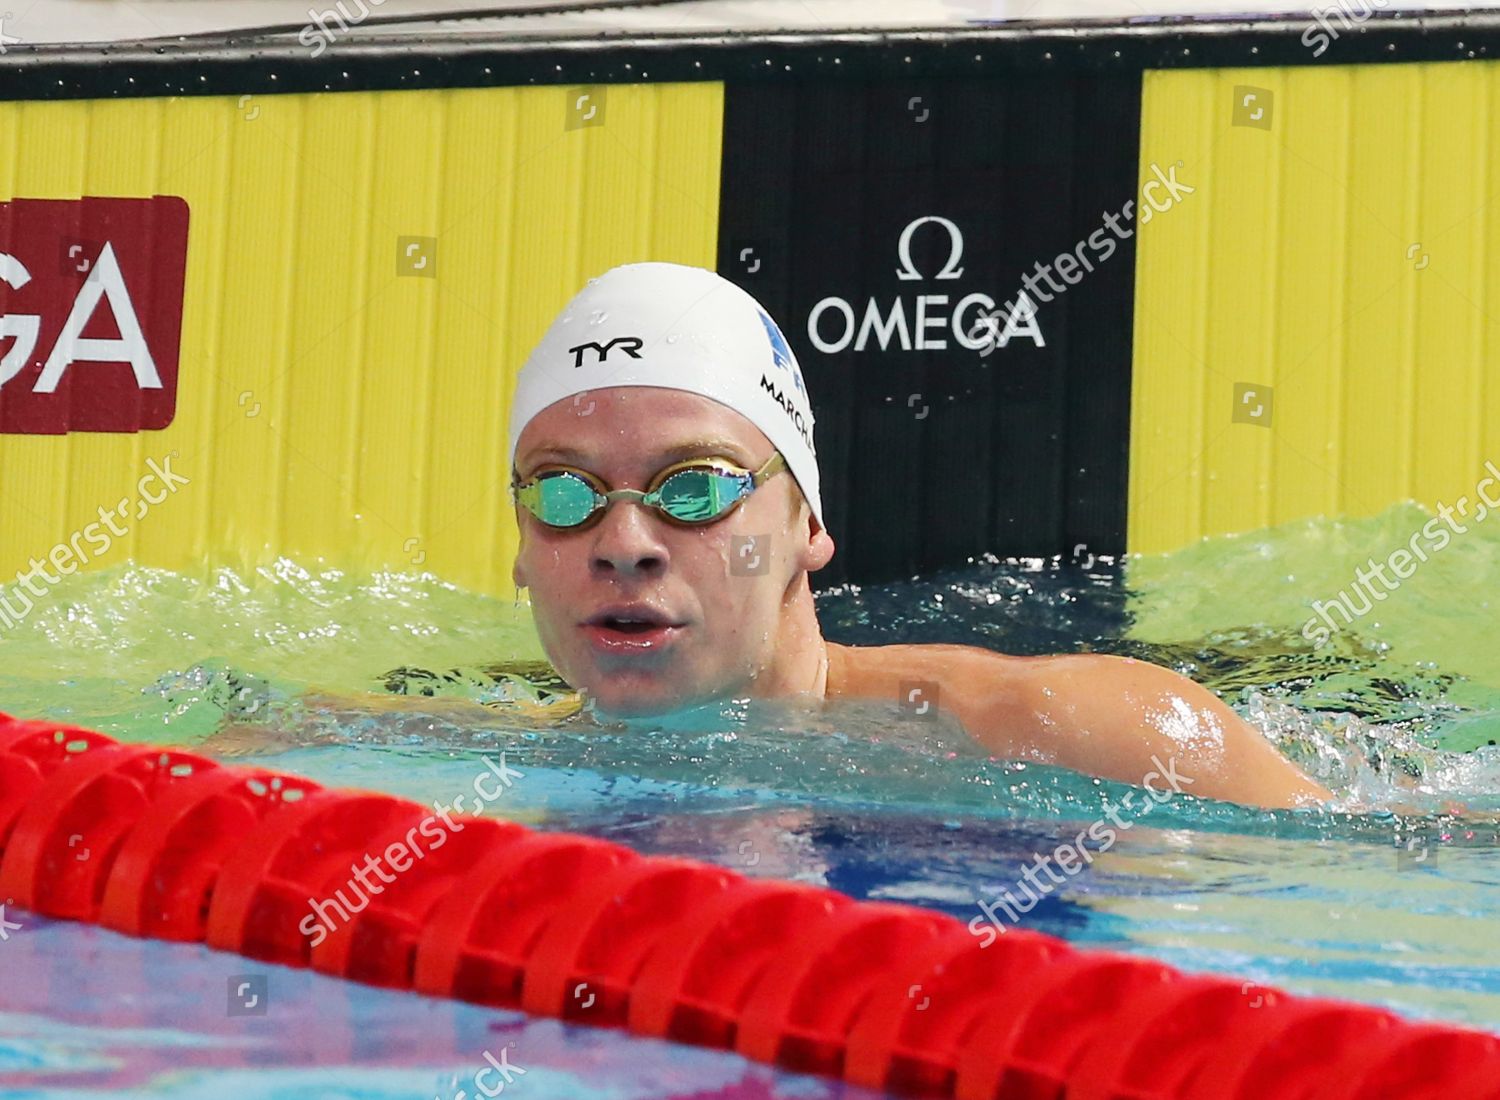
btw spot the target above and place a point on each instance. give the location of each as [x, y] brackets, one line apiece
[666, 487]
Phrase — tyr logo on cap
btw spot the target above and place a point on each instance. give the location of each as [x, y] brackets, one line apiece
[91, 297]
[630, 345]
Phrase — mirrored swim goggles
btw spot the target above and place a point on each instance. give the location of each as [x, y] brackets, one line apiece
[690, 493]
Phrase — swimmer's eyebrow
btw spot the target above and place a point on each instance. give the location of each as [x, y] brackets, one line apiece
[695, 448]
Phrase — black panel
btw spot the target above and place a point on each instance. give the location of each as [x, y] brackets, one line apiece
[933, 454]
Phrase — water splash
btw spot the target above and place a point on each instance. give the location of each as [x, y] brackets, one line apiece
[292, 656]
[402, 683]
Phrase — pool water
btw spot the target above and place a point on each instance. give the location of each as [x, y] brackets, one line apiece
[404, 684]
[88, 1013]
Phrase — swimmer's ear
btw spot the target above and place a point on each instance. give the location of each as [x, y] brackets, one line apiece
[819, 542]
[821, 549]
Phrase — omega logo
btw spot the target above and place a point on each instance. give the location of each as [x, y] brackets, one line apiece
[975, 322]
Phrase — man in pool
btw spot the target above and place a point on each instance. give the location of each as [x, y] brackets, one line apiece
[666, 486]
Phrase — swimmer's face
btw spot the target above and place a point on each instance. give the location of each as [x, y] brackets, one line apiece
[714, 610]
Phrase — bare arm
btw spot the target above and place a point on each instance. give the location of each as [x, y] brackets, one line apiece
[260, 738]
[1122, 719]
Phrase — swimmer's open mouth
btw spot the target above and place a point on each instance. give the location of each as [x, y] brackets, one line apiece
[632, 620]
[628, 626]
[631, 630]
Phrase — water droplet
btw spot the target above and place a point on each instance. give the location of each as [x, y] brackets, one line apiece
[672, 338]
[597, 316]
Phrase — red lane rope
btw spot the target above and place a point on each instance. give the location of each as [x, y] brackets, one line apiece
[164, 843]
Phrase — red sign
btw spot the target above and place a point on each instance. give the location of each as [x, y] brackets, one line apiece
[90, 313]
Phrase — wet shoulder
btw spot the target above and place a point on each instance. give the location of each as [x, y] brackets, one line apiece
[890, 671]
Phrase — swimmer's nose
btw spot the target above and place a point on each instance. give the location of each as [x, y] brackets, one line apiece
[626, 542]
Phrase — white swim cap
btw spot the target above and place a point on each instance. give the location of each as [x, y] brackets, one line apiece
[680, 328]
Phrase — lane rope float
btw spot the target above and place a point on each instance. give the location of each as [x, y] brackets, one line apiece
[168, 844]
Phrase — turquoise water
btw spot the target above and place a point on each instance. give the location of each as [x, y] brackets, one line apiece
[405, 684]
[88, 1013]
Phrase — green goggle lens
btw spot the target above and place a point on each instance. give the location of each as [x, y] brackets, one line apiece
[560, 499]
[695, 496]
